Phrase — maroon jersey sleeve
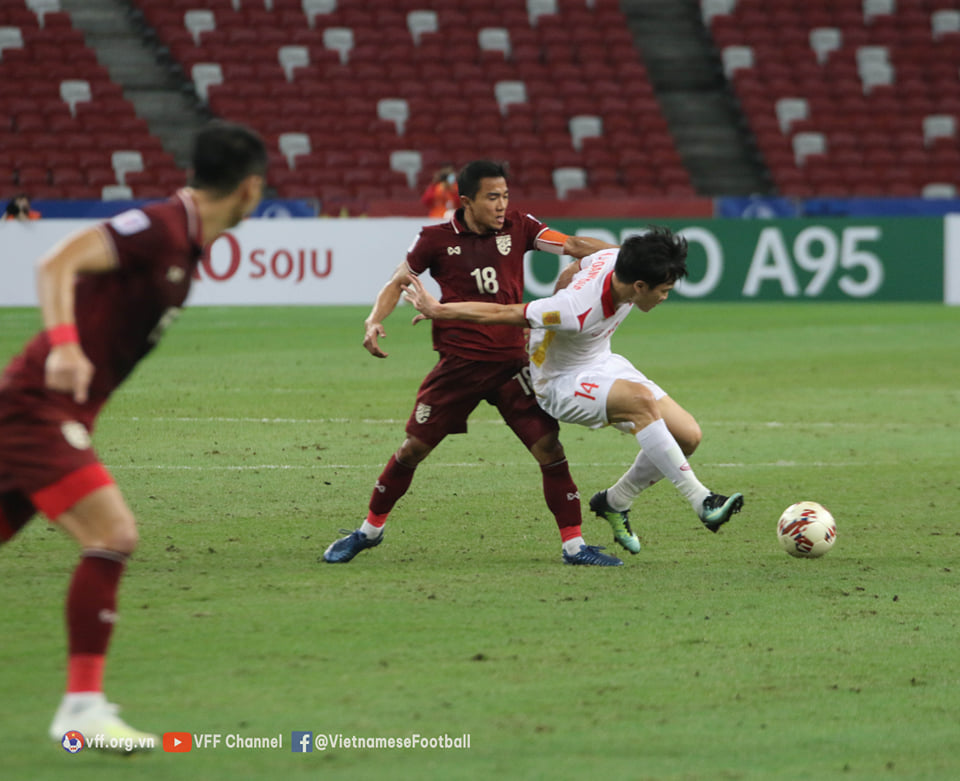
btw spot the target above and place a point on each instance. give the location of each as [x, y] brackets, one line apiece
[419, 254]
[532, 227]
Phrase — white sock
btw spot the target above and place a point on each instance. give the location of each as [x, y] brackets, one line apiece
[78, 701]
[572, 547]
[664, 452]
[370, 530]
[641, 475]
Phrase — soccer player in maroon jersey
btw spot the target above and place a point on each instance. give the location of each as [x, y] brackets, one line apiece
[476, 256]
[106, 294]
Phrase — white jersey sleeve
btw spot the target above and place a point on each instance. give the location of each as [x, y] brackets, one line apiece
[556, 313]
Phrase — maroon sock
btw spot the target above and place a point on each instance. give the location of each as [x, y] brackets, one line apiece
[91, 613]
[392, 484]
[563, 498]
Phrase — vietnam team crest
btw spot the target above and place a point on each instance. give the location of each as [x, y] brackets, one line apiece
[72, 742]
[504, 243]
[422, 415]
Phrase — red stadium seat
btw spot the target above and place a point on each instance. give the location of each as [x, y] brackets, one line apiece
[338, 101]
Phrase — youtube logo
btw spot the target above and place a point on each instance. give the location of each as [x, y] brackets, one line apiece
[178, 742]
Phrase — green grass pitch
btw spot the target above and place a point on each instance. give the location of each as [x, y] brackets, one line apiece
[254, 435]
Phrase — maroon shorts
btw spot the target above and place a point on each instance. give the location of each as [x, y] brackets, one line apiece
[45, 464]
[454, 388]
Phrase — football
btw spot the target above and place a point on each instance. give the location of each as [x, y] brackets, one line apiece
[806, 530]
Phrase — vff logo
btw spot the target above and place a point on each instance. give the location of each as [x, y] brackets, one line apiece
[301, 742]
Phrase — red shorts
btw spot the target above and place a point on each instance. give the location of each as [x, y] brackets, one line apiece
[454, 388]
[47, 465]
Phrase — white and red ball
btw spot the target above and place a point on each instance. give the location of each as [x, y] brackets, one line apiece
[807, 530]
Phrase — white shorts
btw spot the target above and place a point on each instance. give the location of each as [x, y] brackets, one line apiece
[581, 398]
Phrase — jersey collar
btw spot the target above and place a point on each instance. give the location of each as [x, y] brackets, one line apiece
[460, 226]
[194, 226]
[606, 296]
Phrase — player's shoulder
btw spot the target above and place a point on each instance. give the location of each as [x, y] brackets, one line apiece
[153, 215]
[593, 270]
[437, 229]
[605, 255]
[522, 217]
[435, 235]
[157, 228]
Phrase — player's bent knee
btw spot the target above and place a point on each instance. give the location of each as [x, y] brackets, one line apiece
[689, 440]
[413, 451]
[124, 539]
[113, 530]
[548, 450]
[119, 535]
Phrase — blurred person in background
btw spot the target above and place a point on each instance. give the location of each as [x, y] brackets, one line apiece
[19, 209]
[442, 197]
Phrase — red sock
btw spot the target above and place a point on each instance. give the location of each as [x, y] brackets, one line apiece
[376, 520]
[392, 484]
[563, 498]
[91, 613]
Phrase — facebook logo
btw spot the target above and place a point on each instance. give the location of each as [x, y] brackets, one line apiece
[301, 742]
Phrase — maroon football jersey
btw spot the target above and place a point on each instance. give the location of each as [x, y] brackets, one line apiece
[477, 267]
[121, 314]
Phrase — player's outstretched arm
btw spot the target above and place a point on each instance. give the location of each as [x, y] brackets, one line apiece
[67, 369]
[471, 311]
[581, 246]
[575, 246]
[387, 300]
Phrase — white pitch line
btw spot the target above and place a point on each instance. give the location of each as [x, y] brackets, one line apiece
[468, 465]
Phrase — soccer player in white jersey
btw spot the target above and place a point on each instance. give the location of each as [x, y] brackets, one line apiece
[579, 379]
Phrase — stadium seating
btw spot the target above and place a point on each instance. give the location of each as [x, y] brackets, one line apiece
[442, 79]
[435, 81]
[567, 179]
[61, 117]
[847, 97]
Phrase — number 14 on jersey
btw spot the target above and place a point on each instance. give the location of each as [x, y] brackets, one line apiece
[587, 390]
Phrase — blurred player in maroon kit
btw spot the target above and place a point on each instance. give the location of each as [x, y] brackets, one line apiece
[476, 256]
[106, 295]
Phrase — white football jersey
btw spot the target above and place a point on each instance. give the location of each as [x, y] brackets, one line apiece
[572, 328]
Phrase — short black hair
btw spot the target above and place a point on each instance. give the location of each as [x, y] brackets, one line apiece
[468, 181]
[656, 257]
[224, 154]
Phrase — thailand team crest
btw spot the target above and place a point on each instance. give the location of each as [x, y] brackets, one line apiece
[422, 415]
[504, 243]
